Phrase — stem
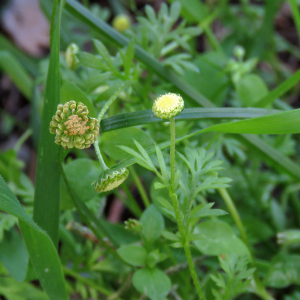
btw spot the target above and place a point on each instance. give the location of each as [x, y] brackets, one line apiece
[140, 187]
[22, 139]
[178, 214]
[261, 290]
[99, 118]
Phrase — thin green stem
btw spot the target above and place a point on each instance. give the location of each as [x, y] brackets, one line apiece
[130, 201]
[22, 139]
[296, 15]
[111, 100]
[178, 214]
[101, 115]
[260, 289]
[139, 186]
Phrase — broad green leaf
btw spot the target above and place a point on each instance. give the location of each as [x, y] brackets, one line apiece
[91, 61]
[133, 254]
[152, 282]
[218, 238]
[95, 81]
[13, 255]
[110, 141]
[250, 89]
[170, 236]
[153, 223]
[81, 173]
[284, 271]
[41, 249]
[70, 91]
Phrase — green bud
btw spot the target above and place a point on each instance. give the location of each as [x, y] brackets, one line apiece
[121, 23]
[168, 106]
[72, 127]
[70, 55]
[133, 225]
[110, 179]
[239, 52]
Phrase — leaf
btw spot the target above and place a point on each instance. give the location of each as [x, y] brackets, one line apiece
[250, 89]
[13, 290]
[196, 113]
[152, 282]
[81, 173]
[110, 141]
[279, 91]
[127, 58]
[13, 255]
[284, 271]
[91, 61]
[170, 236]
[104, 53]
[133, 254]
[41, 249]
[218, 238]
[206, 211]
[47, 188]
[153, 223]
[18, 75]
[70, 91]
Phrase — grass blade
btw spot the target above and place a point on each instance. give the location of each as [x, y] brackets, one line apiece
[147, 116]
[279, 91]
[47, 190]
[17, 73]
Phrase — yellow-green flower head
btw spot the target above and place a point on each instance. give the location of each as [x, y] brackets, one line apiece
[73, 127]
[110, 179]
[121, 23]
[168, 106]
[70, 55]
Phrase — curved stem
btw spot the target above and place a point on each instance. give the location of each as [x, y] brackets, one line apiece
[178, 214]
[101, 115]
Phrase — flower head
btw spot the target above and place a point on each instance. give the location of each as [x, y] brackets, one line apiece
[110, 179]
[121, 22]
[168, 106]
[73, 127]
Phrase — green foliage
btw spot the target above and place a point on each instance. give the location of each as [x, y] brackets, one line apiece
[237, 280]
[228, 195]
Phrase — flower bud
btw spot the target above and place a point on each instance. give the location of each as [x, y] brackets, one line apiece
[168, 106]
[239, 52]
[133, 225]
[121, 23]
[72, 128]
[110, 179]
[70, 55]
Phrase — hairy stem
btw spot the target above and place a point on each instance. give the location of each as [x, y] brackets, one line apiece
[178, 214]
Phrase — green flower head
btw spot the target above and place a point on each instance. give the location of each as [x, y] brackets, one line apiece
[73, 127]
[168, 106]
[110, 179]
[121, 22]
